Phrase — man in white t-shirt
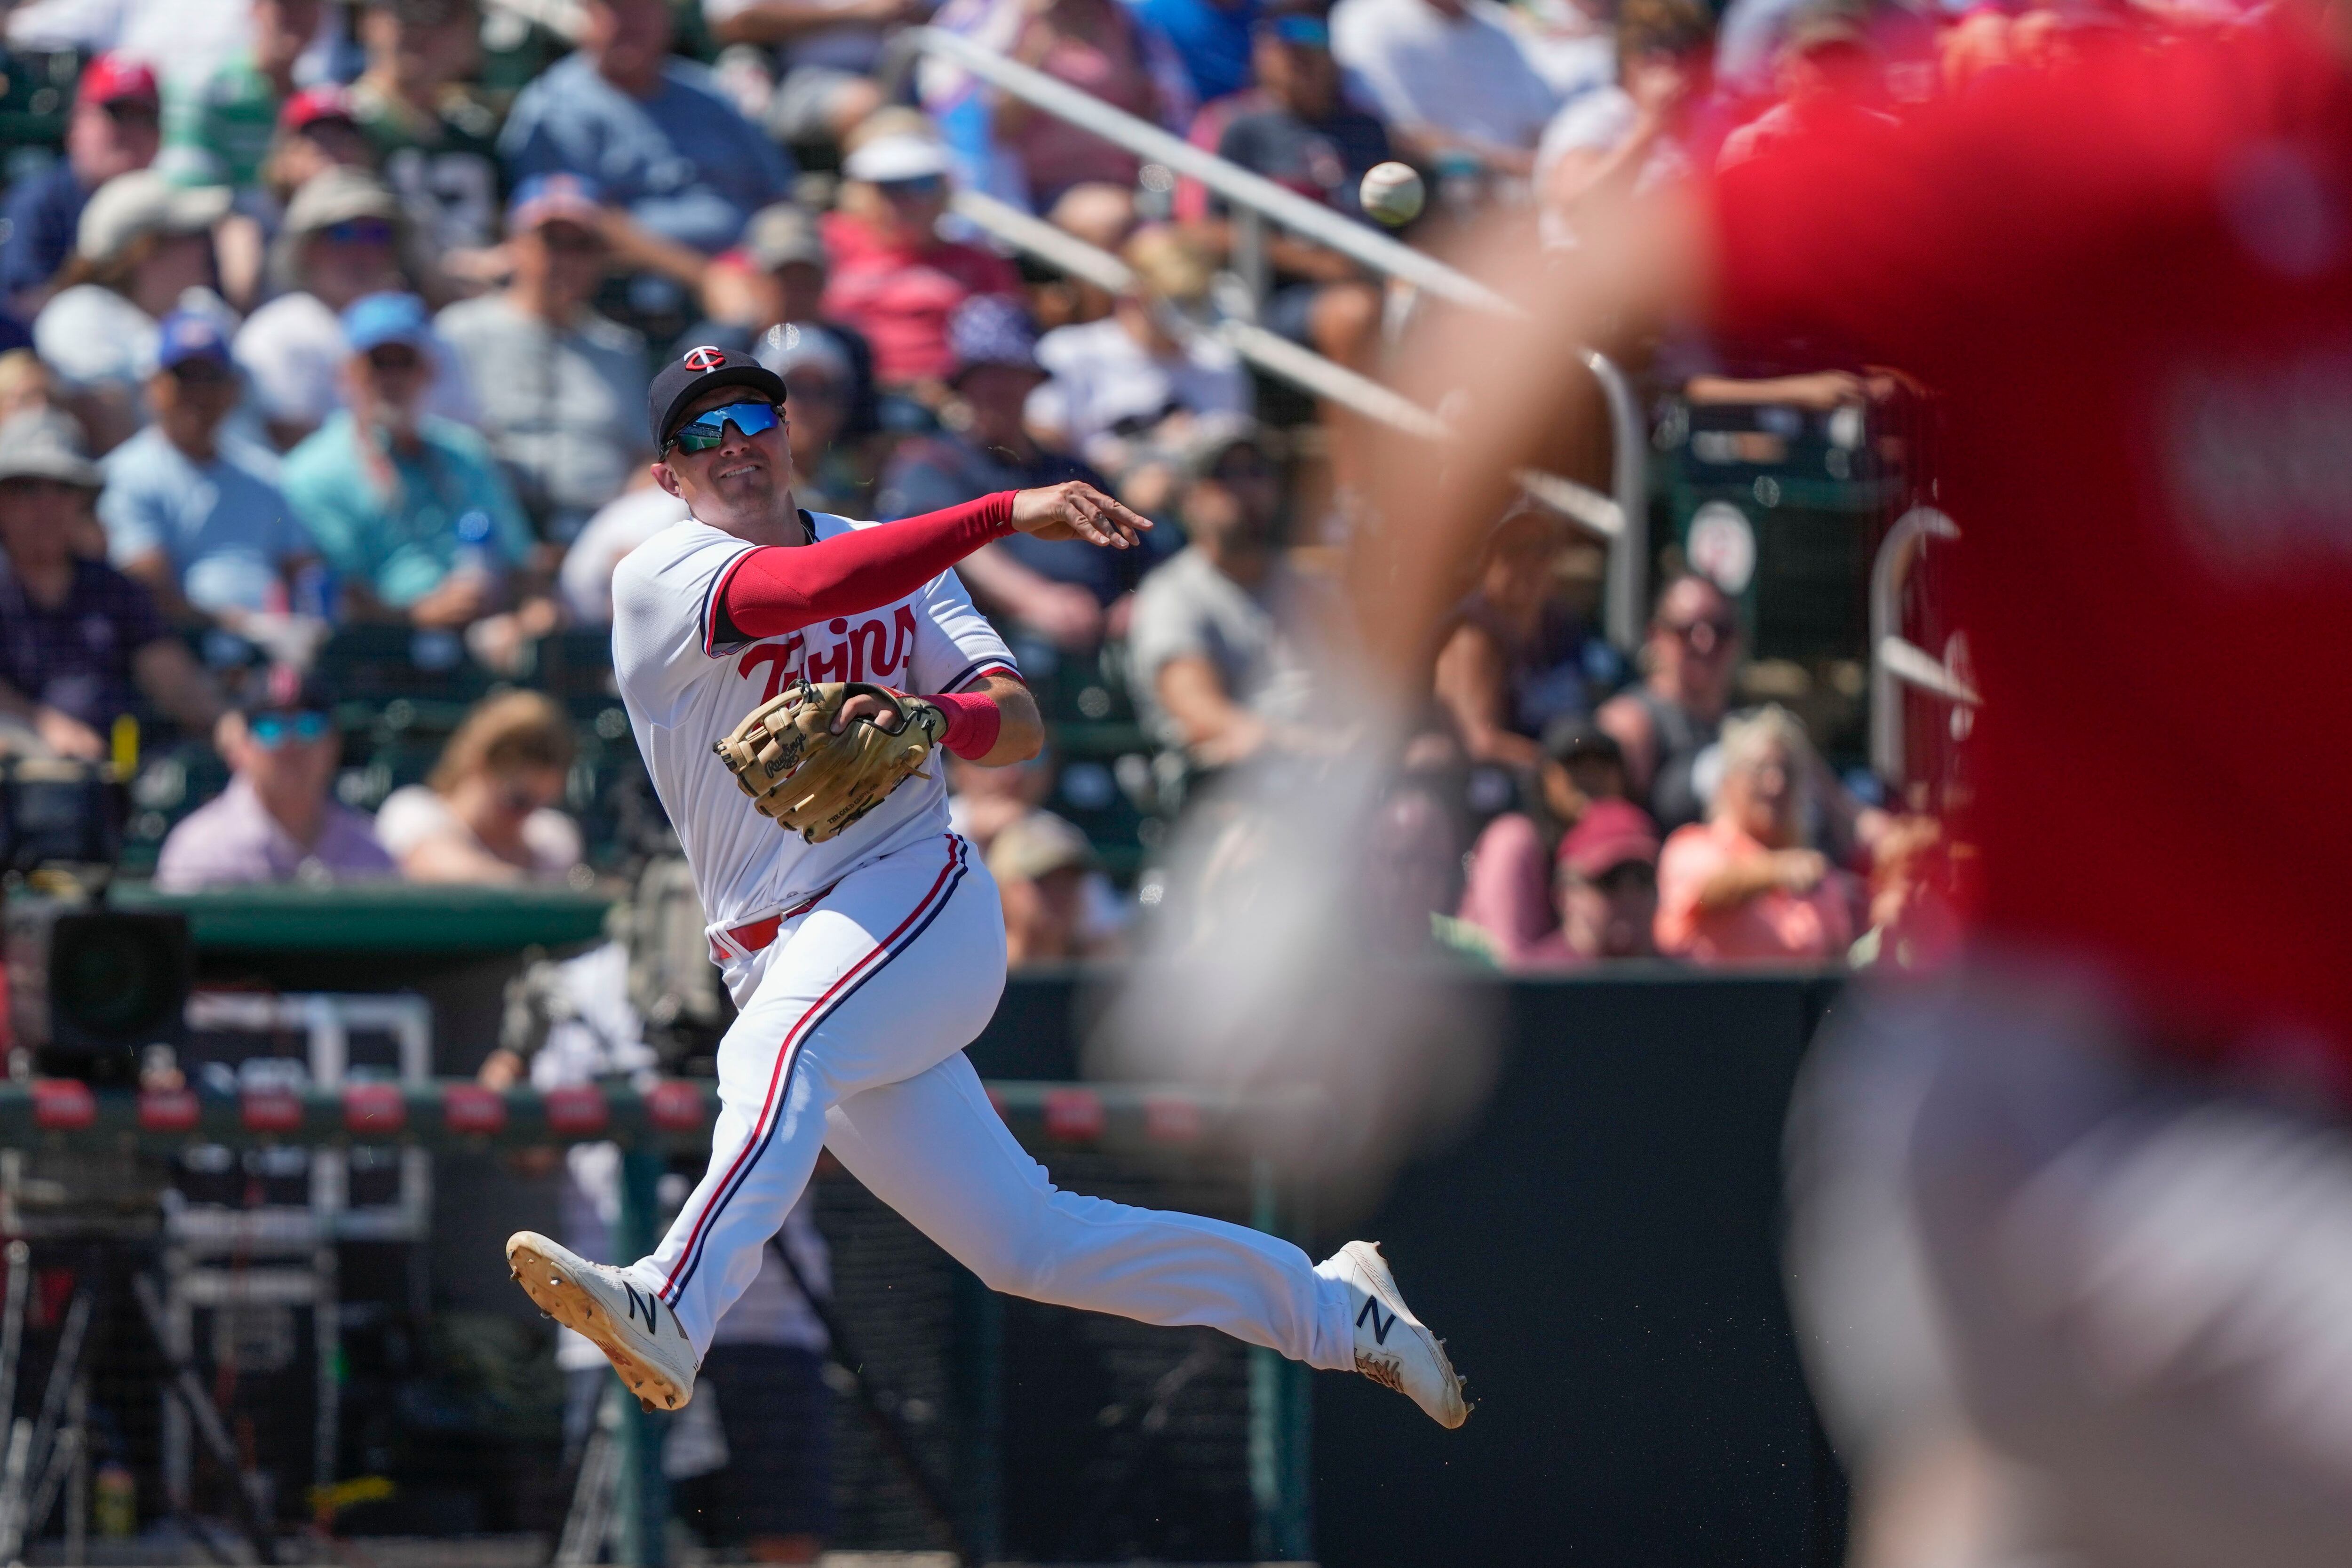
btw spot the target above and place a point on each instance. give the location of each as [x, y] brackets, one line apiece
[861, 966]
[1446, 76]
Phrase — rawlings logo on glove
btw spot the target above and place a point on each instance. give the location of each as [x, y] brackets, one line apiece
[797, 771]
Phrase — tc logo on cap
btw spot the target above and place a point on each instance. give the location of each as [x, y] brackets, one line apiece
[705, 358]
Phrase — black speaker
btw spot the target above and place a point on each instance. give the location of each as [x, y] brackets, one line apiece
[90, 988]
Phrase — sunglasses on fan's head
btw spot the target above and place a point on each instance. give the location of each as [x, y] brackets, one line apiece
[275, 729]
[358, 231]
[706, 430]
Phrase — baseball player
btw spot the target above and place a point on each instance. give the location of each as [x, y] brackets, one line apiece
[861, 939]
[2073, 1220]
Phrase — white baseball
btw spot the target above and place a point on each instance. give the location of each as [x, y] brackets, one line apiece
[1392, 194]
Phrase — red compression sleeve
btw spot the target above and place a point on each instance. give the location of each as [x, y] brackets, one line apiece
[974, 722]
[775, 589]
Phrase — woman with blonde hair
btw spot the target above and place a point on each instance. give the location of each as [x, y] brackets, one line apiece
[487, 813]
[1742, 886]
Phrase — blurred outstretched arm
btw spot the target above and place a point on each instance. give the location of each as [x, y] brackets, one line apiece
[1513, 390]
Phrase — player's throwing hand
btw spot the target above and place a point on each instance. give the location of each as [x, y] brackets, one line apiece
[1076, 509]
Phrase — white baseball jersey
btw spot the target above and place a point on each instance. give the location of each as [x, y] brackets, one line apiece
[684, 689]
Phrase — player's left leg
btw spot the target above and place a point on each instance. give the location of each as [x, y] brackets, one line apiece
[934, 1149]
[899, 964]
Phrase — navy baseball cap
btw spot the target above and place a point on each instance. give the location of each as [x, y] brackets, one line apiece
[375, 320]
[696, 372]
[185, 335]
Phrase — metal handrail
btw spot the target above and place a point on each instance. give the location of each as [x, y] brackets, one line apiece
[1230, 179]
[1326, 378]
[1896, 662]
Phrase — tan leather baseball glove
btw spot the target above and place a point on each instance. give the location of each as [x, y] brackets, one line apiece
[797, 771]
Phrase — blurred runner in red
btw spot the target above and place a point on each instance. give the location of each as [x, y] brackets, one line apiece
[2096, 1188]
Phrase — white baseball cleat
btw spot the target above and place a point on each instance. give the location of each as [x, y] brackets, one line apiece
[1392, 1347]
[641, 1337]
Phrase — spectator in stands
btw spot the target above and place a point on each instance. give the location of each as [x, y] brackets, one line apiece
[820, 383]
[1210, 37]
[278, 821]
[1630, 135]
[1104, 217]
[84, 643]
[1914, 903]
[584, 581]
[436, 142]
[1053, 591]
[341, 242]
[777, 278]
[1296, 131]
[1448, 80]
[410, 509]
[1101, 48]
[23, 383]
[1664, 724]
[488, 814]
[1116, 381]
[222, 123]
[652, 131]
[1042, 864]
[1824, 64]
[1221, 648]
[984, 802]
[315, 134]
[825, 53]
[85, 535]
[894, 278]
[317, 130]
[1741, 887]
[142, 250]
[562, 388]
[1511, 893]
[192, 510]
[1609, 884]
[1515, 659]
[113, 130]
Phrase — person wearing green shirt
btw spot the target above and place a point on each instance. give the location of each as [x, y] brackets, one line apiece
[409, 511]
[434, 140]
[225, 120]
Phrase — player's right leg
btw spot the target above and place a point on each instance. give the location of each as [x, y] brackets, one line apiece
[934, 1149]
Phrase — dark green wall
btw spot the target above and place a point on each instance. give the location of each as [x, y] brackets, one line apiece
[1600, 1247]
[1599, 1250]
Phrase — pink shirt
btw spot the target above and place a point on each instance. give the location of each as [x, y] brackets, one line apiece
[901, 297]
[1775, 926]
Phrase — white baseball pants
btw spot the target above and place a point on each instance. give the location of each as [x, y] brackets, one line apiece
[851, 1036]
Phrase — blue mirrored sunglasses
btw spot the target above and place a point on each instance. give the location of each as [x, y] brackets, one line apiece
[706, 429]
[274, 730]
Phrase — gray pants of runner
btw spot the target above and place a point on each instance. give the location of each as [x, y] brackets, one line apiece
[2131, 1282]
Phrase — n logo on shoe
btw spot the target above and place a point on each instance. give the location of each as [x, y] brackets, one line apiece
[1380, 1329]
[648, 1304]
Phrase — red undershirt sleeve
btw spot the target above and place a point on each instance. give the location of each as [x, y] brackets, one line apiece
[774, 589]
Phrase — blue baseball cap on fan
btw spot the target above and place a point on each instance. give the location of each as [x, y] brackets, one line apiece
[375, 320]
[550, 199]
[185, 335]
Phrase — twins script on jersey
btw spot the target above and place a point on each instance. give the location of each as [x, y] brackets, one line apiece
[684, 688]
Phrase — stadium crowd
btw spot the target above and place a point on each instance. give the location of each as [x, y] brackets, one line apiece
[319, 315]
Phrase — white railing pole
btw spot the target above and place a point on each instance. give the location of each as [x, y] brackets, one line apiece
[1895, 662]
[1625, 591]
[1278, 357]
